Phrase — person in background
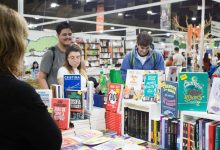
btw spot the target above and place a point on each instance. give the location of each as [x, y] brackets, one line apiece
[26, 123]
[143, 56]
[189, 63]
[178, 59]
[53, 59]
[169, 61]
[72, 65]
[34, 69]
[206, 62]
[214, 60]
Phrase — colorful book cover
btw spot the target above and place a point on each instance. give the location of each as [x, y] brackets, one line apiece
[76, 104]
[67, 141]
[192, 91]
[217, 138]
[71, 82]
[114, 98]
[214, 97]
[133, 84]
[169, 99]
[45, 95]
[150, 86]
[87, 134]
[61, 112]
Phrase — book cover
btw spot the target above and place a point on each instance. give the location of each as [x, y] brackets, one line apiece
[212, 129]
[71, 82]
[192, 91]
[214, 97]
[133, 84]
[67, 141]
[56, 91]
[76, 104]
[217, 137]
[45, 95]
[169, 99]
[114, 98]
[61, 112]
[150, 87]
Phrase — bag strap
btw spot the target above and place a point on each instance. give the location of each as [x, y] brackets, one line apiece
[154, 57]
[53, 50]
[131, 60]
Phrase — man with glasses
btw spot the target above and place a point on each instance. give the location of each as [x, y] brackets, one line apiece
[143, 56]
[53, 59]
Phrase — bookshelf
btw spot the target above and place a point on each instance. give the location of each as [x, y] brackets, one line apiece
[82, 46]
[92, 51]
[105, 53]
[151, 107]
[117, 51]
[184, 115]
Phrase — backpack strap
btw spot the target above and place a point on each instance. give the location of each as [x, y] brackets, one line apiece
[53, 50]
[154, 57]
[131, 62]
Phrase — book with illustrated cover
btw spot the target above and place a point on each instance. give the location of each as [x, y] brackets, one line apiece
[114, 98]
[169, 99]
[214, 97]
[45, 95]
[192, 91]
[76, 104]
[133, 84]
[151, 87]
[61, 112]
[71, 82]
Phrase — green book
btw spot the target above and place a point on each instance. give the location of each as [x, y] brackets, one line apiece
[192, 91]
[217, 138]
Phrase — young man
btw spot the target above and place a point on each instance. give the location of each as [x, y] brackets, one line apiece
[142, 57]
[53, 59]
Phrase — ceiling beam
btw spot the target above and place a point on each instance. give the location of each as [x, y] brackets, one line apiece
[216, 1]
[110, 12]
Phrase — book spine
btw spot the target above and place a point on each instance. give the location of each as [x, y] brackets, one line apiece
[126, 120]
[158, 132]
[188, 138]
[200, 134]
[217, 138]
[166, 134]
[152, 131]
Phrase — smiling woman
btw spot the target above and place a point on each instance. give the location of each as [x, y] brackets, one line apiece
[34, 129]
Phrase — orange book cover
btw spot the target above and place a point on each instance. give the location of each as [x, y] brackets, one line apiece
[61, 112]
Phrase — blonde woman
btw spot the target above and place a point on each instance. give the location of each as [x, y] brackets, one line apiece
[25, 122]
[73, 65]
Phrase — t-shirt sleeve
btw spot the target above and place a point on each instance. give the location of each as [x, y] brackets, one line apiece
[61, 72]
[46, 62]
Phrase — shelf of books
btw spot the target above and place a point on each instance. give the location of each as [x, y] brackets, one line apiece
[137, 116]
[105, 53]
[203, 130]
[82, 46]
[92, 54]
[117, 51]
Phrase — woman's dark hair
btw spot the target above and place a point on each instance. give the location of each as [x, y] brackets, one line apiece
[206, 56]
[33, 67]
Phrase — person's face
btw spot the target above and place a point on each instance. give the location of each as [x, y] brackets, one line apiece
[143, 50]
[35, 65]
[65, 37]
[74, 59]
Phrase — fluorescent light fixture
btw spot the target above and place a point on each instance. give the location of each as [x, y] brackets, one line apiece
[127, 15]
[31, 26]
[149, 12]
[168, 34]
[112, 28]
[101, 31]
[120, 14]
[149, 32]
[53, 5]
[36, 18]
[193, 18]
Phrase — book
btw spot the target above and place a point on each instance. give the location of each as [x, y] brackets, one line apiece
[133, 84]
[212, 129]
[45, 95]
[150, 87]
[97, 140]
[169, 95]
[76, 104]
[67, 141]
[214, 97]
[114, 99]
[71, 82]
[192, 91]
[56, 91]
[61, 112]
[217, 137]
[86, 135]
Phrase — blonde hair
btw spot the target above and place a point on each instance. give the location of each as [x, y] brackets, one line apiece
[13, 29]
[81, 67]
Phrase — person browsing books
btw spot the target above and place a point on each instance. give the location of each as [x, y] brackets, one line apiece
[54, 58]
[25, 121]
[143, 56]
[73, 65]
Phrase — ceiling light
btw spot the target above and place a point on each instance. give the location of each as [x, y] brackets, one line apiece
[36, 18]
[149, 32]
[168, 34]
[149, 12]
[31, 26]
[53, 5]
[120, 14]
[112, 28]
[101, 31]
[193, 18]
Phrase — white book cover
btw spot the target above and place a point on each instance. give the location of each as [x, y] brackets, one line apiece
[45, 95]
[214, 97]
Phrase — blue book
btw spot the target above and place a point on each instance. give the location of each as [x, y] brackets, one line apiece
[71, 82]
[169, 99]
[151, 85]
[192, 91]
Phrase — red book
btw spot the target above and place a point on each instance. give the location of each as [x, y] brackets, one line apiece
[212, 128]
[114, 97]
[61, 112]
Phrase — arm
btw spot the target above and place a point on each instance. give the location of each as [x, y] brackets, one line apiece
[160, 62]
[125, 66]
[174, 60]
[41, 78]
